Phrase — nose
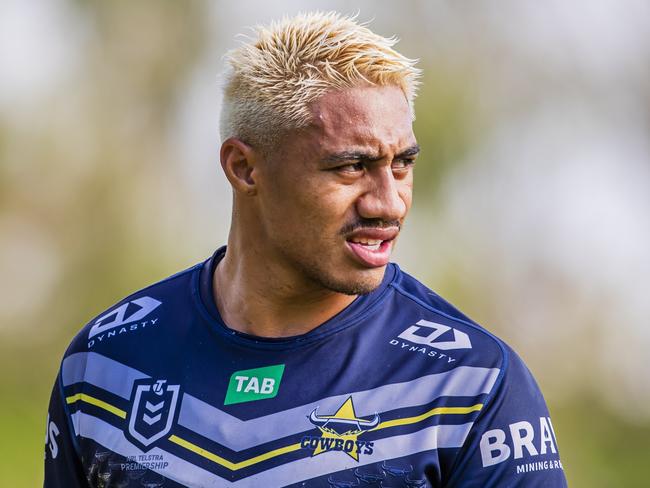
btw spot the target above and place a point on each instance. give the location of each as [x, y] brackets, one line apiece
[386, 197]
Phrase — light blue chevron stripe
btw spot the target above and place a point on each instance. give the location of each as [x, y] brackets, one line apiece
[186, 473]
[100, 371]
[238, 435]
[225, 429]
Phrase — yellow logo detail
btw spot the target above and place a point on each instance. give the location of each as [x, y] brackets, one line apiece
[341, 430]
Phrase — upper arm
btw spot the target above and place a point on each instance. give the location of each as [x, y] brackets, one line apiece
[62, 462]
[512, 443]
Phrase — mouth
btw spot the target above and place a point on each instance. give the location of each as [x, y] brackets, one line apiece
[372, 247]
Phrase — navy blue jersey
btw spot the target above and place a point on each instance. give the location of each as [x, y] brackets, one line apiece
[398, 390]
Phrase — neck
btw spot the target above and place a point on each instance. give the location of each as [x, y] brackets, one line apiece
[259, 296]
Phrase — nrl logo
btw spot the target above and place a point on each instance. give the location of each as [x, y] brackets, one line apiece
[153, 409]
[340, 432]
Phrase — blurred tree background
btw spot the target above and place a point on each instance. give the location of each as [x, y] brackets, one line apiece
[532, 191]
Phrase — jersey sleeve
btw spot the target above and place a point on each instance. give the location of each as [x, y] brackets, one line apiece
[62, 462]
[512, 443]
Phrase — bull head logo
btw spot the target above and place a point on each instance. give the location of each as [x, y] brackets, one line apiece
[341, 426]
[340, 432]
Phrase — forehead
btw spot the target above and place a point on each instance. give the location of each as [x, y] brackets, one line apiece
[365, 117]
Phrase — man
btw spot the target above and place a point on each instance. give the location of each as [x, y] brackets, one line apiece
[297, 355]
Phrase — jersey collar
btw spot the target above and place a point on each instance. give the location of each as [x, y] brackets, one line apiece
[348, 316]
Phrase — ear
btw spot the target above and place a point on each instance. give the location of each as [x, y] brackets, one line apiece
[238, 161]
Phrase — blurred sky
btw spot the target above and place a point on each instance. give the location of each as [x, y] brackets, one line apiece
[532, 193]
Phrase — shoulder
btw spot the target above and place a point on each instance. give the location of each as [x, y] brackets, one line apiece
[433, 326]
[135, 324]
[512, 433]
[427, 324]
[430, 335]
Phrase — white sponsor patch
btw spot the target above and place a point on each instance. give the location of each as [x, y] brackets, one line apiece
[521, 439]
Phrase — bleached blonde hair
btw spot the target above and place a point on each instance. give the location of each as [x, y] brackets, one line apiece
[271, 79]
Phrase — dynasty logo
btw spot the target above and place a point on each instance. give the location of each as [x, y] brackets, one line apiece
[126, 318]
[340, 432]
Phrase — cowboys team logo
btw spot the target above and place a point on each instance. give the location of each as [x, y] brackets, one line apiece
[153, 408]
[340, 432]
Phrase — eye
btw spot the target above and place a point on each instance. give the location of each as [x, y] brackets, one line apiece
[350, 168]
[403, 164]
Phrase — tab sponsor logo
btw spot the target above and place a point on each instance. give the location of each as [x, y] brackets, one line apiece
[521, 440]
[430, 338]
[250, 385]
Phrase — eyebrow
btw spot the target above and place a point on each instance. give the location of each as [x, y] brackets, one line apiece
[367, 157]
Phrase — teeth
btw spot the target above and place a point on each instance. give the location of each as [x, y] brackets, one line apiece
[367, 242]
[372, 244]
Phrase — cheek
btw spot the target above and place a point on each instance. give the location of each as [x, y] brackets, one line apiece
[302, 207]
[407, 198]
[323, 199]
[281, 196]
[337, 206]
[294, 205]
[406, 191]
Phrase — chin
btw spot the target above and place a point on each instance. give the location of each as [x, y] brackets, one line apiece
[341, 276]
[360, 283]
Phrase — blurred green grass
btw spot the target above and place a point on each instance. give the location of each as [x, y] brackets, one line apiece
[25, 389]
